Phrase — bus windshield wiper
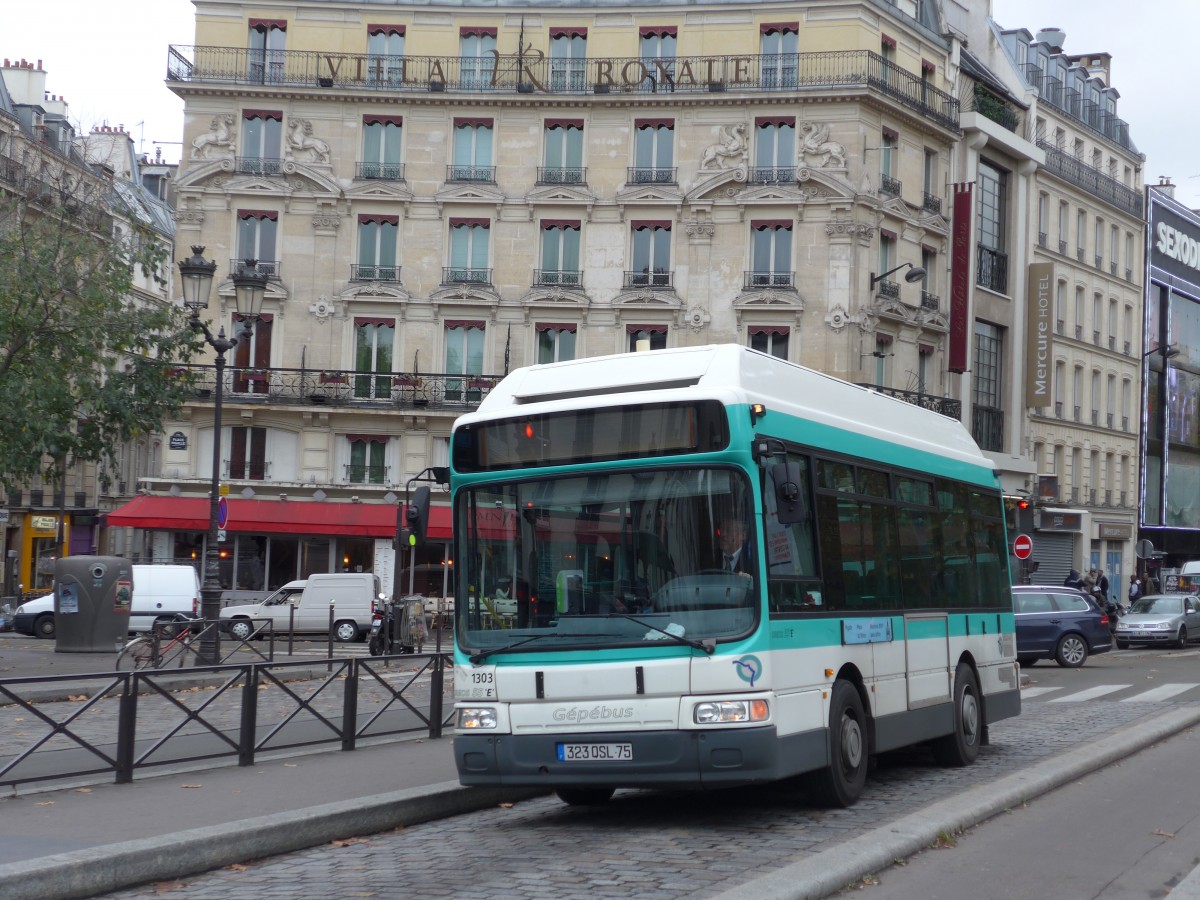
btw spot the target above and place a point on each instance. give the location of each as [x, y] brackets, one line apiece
[708, 645]
[477, 658]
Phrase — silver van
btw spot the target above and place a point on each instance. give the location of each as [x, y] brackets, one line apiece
[351, 595]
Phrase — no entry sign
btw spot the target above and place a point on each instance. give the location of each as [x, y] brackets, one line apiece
[1022, 546]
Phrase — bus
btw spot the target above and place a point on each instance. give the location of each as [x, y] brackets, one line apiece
[603, 637]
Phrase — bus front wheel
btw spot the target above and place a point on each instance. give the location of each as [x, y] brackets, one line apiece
[841, 783]
[961, 748]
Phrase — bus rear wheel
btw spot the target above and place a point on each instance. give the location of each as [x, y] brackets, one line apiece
[961, 748]
[841, 783]
[584, 796]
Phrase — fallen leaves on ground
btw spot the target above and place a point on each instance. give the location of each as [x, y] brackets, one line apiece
[45, 803]
[77, 697]
[237, 867]
[83, 790]
[348, 842]
[191, 785]
[1158, 832]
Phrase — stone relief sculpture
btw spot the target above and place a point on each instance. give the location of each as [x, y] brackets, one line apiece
[302, 146]
[730, 150]
[217, 142]
[815, 142]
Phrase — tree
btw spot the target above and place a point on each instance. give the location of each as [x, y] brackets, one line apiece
[87, 361]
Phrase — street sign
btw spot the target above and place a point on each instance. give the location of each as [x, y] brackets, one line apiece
[221, 536]
[1022, 546]
[1144, 549]
[3, 516]
[222, 513]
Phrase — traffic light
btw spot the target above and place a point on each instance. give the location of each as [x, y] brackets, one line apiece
[416, 518]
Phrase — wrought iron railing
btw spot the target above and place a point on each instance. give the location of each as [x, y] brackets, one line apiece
[374, 273]
[752, 280]
[258, 165]
[771, 175]
[461, 275]
[992, 270]
[379, 171]
[560, 175]
[930, 203]
[650, 175]
[988, 104]
[888, 288]
[648, 279]
[930, 301]
[946, 406]
[987, 427]
[804, 72]
[266, 267]
[561, 277]
[1092, 180]
[484, 174]
[890, 185]
[344, 387]
[366, 474]
[241, 470]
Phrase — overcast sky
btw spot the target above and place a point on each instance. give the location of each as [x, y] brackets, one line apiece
[108, 58]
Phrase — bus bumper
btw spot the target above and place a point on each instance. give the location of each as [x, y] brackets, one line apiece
[660, 759]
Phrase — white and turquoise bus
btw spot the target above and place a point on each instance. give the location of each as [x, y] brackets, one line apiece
[708, 567]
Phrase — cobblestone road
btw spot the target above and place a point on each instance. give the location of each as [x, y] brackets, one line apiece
[643, 844]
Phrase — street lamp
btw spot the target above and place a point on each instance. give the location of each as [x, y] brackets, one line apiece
[249, 289]
[1167, 351]
[912, 276]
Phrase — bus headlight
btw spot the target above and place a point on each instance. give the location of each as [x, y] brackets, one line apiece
[475, 718]
[717, 712]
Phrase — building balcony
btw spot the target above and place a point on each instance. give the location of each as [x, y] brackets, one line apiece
[272, 386]
[759, 280]
[375, 171]
[650, 175]
[374, 273]
[987, 427]
[469, 173]
[890, 185]
[1042, 239]
[930, 301]
[242, 470]
[572, 278]
[888, 288]
[992, 270]
[461, 275]
[930, 203]
[268, 268]
[357, 473]
[838, 71]
[559, 175]
[1092, 180]
[771, 175]
[946, 406]
[257, 165]
[644, 279]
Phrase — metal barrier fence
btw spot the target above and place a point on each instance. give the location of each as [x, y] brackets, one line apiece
[121, 722]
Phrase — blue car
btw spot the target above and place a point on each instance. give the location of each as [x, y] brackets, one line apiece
[1058, 623]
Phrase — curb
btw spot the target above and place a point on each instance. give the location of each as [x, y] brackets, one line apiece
[823, 874]
[98, 870]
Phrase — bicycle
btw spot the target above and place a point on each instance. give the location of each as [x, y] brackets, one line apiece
[149, 651]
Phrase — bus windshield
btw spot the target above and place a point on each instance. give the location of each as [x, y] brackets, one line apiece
[616, 558]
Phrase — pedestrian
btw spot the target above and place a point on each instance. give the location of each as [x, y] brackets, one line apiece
[1135, 588]
[1102, 585]
[1089, 582]
[1073, 580]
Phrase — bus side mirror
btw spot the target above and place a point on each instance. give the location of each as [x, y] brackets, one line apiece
[788, 483]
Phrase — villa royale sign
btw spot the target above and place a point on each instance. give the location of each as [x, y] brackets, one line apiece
[1039, 356]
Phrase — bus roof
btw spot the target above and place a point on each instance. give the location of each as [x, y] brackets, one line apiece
[732, 374]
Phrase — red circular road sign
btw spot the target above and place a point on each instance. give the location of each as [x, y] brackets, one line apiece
[222, 512]
[1022, 546]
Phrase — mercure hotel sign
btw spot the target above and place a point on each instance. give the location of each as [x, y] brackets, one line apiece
[1039, 360]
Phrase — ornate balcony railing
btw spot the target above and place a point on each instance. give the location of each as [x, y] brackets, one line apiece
[832, 70]
[771, 175]
[357, 473]
[339, 387]
[887, 288]
[374, 273]
[379, 171]
[650, 175]
[267, 267]
[659, 280]
[1092, 180]
[243, 470]
[758, 280]
[946, 406]
[930, 203]
[930, 301]
[992, 271]
[560, 175]
[485, 174]
[561, 277]
[461, 275]
[889, 185]
[258, 165]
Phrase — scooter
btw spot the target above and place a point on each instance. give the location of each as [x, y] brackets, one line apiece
[379, 638]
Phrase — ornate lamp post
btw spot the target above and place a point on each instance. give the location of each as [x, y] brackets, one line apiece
[249, 287]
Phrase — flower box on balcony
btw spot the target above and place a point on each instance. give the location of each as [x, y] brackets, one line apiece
[332, 378]
[481, 384]
[406, 381]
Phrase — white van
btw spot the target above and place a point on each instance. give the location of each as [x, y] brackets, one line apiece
[160, 593]
[353, 595]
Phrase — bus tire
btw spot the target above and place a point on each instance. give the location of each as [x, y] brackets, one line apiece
[584, 796]
[961, 748]
[841, 783]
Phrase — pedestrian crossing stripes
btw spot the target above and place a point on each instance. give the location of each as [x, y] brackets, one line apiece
[1158, 694]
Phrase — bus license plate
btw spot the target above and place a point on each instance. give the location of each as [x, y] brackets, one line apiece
[594, 752]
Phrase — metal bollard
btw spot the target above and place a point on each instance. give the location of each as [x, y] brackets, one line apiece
[329, 654]
[291, 630]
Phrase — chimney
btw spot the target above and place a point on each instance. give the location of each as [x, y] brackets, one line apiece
[1164, 185]
[1055, 37]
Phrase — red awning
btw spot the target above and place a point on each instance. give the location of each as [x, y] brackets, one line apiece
[273, 517]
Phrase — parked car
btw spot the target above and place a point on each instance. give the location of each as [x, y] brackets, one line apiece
[1058, 623]
[352, 595]
[1160, 619]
